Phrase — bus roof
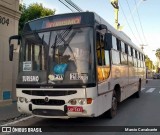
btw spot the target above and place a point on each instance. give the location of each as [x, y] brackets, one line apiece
[79, 18]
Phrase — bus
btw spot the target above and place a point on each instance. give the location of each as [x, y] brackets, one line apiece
[75, 65]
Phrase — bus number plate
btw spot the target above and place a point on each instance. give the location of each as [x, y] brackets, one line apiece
[75, 109]
[57, 77]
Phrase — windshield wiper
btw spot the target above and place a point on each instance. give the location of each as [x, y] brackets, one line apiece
[66, 43]
[54, 46]
[63, 34]
[43, 39]
[61, 38]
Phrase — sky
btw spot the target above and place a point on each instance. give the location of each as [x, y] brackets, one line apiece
[142, 26]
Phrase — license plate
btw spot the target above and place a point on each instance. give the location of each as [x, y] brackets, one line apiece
[75, 109]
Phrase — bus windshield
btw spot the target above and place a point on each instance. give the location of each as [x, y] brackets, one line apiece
[60, 57]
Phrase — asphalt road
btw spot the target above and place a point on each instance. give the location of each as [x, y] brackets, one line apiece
[143, 111]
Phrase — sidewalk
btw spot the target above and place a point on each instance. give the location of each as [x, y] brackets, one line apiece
[9, 113]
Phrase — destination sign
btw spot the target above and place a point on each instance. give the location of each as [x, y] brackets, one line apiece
[55, 21]
[63, 22]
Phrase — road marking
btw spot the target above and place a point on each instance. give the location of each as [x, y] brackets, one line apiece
[142, 89]
[14, 122]
[152, 86]
[150, 90]
[149, 79]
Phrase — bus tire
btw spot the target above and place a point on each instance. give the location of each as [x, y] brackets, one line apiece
[138, 93]
[113, 110]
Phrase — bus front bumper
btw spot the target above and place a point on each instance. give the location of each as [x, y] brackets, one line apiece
[64, 111]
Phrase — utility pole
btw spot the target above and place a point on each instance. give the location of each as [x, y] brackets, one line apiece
[142, 46]
[116, 10]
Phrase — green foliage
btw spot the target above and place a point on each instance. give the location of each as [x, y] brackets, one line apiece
[149, 63]
[158, 53]
[158, 59]
[146, 57]
[33, 11]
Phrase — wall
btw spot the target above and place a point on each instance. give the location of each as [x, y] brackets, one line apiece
[9, 17]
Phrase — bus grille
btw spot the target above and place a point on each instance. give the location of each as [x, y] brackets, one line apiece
[49, 112]
[48, 93]
[50, 102]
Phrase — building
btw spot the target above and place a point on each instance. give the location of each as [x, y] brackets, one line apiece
[9, 18]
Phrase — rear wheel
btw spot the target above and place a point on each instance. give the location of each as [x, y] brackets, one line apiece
[138, 93]
[113, 111]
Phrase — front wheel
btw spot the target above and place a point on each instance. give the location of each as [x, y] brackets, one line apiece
[113, 111]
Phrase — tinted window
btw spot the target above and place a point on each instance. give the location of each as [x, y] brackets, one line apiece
[118, 44]
[100, 49]
[126, 48]
[136, 53]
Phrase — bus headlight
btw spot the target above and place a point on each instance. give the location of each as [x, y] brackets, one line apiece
[73, 102]
[81, 101]
[26, 100]
[21, 99]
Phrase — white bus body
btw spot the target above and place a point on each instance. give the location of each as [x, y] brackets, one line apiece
[114, 82]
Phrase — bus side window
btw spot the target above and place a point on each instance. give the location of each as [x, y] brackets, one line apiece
[106, 68]
[115, 51]
[130, 58]
[123, 57]
[100, 49]
[122, 47]
[118, 42]
[129, 50]
[114, 42]
[100, 55]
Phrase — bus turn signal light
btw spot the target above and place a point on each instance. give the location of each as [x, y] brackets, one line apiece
[89, 100]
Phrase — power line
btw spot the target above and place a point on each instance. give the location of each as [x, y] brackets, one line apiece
[66, 5]
[134, 9]
[74, 5]
[140, 22]
[134, 22]
[127, 21]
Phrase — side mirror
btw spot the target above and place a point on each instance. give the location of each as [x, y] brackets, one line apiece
[11, 48]
[17, 37]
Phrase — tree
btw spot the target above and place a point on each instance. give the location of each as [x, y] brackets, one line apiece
[158, 59]
[158, 53]
[31, 12]
[149, 63]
